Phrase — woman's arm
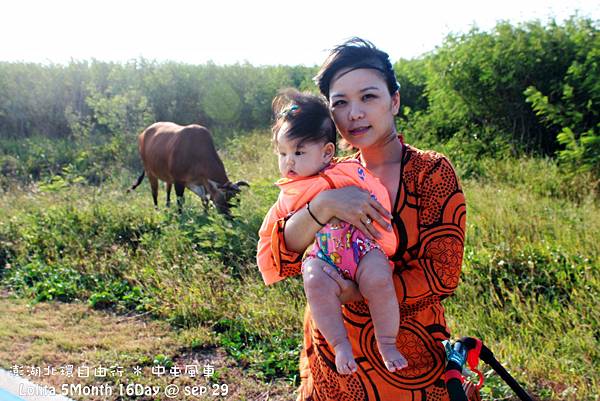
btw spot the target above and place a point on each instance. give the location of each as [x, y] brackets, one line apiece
[436, 265]
[293, 235]
[350, 204]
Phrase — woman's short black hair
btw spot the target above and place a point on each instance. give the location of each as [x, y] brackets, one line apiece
[307, 116]
[353, 54]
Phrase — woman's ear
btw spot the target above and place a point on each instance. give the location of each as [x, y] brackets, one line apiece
[328, 152]
[396, 102]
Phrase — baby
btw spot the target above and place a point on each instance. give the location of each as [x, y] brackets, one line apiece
[304, 136]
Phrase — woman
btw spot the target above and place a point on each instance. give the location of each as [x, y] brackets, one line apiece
[428, 219]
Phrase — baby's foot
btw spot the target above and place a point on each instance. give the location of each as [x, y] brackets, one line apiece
[392, 358]
[344, 359]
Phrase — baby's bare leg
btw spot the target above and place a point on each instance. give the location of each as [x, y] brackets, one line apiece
[322, 294]
[374, 278]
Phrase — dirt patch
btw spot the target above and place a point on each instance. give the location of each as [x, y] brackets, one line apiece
[52, 343]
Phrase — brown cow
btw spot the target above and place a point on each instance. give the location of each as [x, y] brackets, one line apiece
[185, 157]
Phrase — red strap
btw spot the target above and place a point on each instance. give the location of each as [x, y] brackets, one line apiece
[473, 361]
[473, 354]
[454, 374]
[481, 379]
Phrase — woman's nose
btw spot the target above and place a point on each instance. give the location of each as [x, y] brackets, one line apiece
[355, 111]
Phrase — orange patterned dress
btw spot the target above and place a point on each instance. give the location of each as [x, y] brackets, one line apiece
[429, 221]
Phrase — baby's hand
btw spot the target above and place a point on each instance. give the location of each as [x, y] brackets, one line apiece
[348, 289]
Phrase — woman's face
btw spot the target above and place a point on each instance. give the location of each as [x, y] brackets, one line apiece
[362, 107]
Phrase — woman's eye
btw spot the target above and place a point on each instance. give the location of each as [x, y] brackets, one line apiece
[338, 103]
[299, 153]
[369, 96]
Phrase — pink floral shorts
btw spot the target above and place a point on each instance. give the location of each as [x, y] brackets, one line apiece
[342, 245]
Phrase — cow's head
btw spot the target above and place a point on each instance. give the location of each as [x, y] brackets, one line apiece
[224, 193]
[232, 189]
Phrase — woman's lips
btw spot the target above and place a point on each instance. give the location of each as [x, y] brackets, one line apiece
[359, 130]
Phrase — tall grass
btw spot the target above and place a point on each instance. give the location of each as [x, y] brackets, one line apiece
[529, 283]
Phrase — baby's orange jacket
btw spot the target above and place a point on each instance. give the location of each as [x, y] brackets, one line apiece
[295, 193]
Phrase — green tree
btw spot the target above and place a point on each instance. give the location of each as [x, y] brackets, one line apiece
[573, 106]
[125, 113]
[480, 78]
[412, 78]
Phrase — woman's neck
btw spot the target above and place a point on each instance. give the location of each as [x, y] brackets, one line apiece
[387, 152]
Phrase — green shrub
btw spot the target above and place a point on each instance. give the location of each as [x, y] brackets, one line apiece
[119, 294]
[46, 283]
[270, 356]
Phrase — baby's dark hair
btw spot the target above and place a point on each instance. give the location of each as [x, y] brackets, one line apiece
[307, 116]
[351, 55]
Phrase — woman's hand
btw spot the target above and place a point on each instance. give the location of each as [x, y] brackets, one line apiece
[350, 204]
[348, 288]
[353, 205]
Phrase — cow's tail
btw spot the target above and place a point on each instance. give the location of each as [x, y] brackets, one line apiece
[138, 182]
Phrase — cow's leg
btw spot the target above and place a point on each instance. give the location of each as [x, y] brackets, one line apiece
[179, 188]
[169, 186]
[154, 187]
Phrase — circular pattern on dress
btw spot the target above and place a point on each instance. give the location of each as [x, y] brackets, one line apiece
[447, 251]
[333, 386]
[425, 360]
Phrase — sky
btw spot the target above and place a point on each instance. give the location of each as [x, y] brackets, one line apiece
[269, 32]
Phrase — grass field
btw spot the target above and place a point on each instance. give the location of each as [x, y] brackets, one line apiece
[529, 287]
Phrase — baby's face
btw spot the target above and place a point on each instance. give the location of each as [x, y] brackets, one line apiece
[300, 159]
